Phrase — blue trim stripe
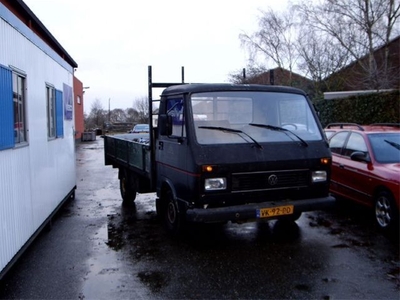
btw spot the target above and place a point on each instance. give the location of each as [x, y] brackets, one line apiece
[6, 109]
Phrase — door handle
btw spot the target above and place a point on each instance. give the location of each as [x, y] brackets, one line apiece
[160, 145]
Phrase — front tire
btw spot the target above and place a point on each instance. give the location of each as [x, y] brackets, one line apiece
[292, 218]
[386, 215]
[173, 217]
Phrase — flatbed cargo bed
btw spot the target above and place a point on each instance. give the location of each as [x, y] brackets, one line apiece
[131, 151]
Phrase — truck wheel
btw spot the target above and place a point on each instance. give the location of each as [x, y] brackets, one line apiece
[386, 215]
[173, 218]
[159, 208]
[294, 217]
[127, 188]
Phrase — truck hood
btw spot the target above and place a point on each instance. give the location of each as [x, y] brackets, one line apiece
[293, 153]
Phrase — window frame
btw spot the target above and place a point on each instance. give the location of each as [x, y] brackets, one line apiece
[51, 111]
[20, 114]
[335, 146]
[178, 131]
[355, 143]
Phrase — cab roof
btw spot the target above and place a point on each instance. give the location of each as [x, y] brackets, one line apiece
[216, 87]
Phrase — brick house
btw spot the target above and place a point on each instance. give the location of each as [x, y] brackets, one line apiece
[281, 76]
[78, 108]
[351, 78]
[356, 75]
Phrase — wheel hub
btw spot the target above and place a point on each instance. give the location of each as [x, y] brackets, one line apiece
[171, 213]
[382, 212]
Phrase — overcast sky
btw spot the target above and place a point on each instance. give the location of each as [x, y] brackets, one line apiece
[113, 42]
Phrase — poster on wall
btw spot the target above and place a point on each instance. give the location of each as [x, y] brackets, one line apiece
[68, 106]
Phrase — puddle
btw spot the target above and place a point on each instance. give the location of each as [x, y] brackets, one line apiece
[138, 234]
[155, 280]
[104, 274]
[115, 240]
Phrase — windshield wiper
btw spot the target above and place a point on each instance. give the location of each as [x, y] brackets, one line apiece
[284, 130]
[238, 132]
[397, 146]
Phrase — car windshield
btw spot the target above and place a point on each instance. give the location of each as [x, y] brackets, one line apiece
[247, 116]
[385, 147]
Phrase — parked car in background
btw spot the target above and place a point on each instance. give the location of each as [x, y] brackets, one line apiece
[329, 133]
[140, 128]
[366, 167]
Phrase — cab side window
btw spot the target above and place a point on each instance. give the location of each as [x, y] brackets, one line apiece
[337, 142]
[175, 110]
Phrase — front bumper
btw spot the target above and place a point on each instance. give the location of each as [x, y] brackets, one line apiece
[246, 212]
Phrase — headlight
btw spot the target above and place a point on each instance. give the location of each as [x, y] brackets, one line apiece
[318, 176]
[213, 184]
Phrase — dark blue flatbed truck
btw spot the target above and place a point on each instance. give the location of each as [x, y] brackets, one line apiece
[226, 152]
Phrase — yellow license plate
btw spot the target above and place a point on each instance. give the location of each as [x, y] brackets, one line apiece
[274, 211]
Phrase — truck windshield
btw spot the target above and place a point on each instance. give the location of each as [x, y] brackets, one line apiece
[240, 110]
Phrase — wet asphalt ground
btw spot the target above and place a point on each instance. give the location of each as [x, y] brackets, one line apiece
[99, 249]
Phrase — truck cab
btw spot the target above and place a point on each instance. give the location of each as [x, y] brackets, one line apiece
[226, 152]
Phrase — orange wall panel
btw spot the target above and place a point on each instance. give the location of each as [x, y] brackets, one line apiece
[78, 107]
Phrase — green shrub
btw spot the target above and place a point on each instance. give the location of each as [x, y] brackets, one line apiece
[362, 109]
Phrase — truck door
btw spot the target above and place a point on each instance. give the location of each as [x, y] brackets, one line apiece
[172, 150]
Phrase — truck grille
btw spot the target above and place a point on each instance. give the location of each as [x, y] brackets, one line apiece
[270, 180]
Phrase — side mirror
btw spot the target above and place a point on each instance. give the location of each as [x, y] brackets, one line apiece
[165, 125]
[360, 156]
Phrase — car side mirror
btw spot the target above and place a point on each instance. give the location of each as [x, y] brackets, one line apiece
[360, 156]
[165, 125]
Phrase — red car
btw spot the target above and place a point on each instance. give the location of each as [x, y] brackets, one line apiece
[366, 168]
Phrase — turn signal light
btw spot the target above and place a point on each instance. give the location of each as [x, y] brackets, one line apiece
[208, 168]
[325, 161]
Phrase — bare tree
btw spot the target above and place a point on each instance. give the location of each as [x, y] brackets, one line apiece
[392, 15]
[245, 75]
[274, 41]
[97, 115]
[118, 116]
[131, 115]
[358, 26]
[141, 105]
[319, 56]
[317, 39]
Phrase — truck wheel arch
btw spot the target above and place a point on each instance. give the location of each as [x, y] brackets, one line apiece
[169, 211]
[167, 186]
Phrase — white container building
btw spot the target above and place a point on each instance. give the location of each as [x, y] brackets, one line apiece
[37, 150]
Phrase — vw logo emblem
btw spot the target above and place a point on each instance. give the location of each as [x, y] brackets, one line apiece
[273, 179]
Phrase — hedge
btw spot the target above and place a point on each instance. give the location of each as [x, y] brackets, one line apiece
[362, 109]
